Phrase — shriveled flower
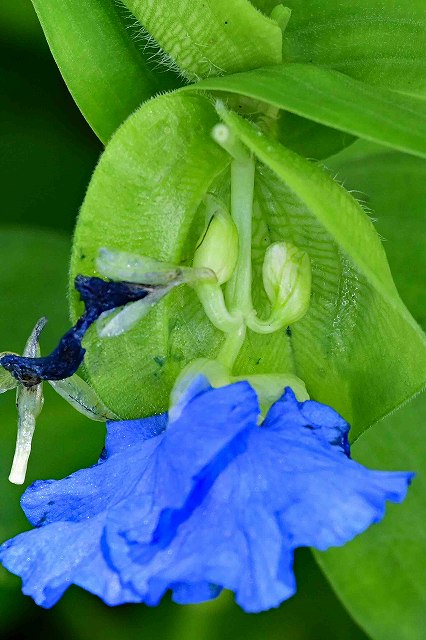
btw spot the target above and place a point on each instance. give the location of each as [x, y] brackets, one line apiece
[199, 501]
[26, 373]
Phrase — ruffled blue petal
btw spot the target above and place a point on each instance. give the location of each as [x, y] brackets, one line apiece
[274, 488]
[326, 424]
[49, 560]
[212, 502]
[122, 436]
[159, 472]
[88, 492]
[229, 539]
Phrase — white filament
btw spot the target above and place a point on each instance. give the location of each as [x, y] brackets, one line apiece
[29, 402]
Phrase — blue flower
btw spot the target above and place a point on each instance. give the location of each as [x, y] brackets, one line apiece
[201, 500]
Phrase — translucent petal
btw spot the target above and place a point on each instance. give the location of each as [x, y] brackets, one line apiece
[129, 316]
[32, 348]
[7, 381]
[83, 397]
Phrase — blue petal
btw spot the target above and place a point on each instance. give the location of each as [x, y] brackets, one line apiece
[51, 559]
[229, 540]
[190, 443]
[125, 434]
[88, 492]
[195, 593]
[196, 386]
[159, 472]
[272, 489]
[212, 502]
[287, 413]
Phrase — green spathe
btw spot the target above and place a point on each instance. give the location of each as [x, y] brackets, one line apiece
[152, 204]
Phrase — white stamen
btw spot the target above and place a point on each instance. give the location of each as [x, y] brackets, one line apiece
[119, 265]
[29, 403]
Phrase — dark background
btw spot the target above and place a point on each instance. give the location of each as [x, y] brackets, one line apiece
[47, 155]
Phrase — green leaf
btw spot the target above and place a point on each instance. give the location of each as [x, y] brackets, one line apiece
[336, 100]
[100, 62]
[382, 43]
[308, 138]
[380, 576]
[210, 37]
[393, 187]
[357, 324]
[147, 202]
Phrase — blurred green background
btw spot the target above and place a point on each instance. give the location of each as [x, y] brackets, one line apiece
[47, 154]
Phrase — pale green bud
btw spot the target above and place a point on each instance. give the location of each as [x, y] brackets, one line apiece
[287, 281]
[217, 249]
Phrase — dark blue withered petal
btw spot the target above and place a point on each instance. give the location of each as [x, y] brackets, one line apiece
[98, 296]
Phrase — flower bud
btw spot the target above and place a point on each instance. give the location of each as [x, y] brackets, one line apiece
[218, 247]
[287, 281]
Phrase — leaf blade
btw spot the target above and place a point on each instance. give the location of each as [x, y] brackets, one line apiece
[380, 575]
[399, 211]
[106, 74]
[333, 99]
[379, 43]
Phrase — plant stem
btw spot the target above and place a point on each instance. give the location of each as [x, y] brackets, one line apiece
[231, 347]
[238, 289]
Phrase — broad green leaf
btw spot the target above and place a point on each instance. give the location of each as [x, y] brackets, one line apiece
[380, 576]
[33, 281]
[144, 201]
[382, 43]
[393, 187]
[210, 37]
[357, 324]
[100, 62]
[336, 100]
